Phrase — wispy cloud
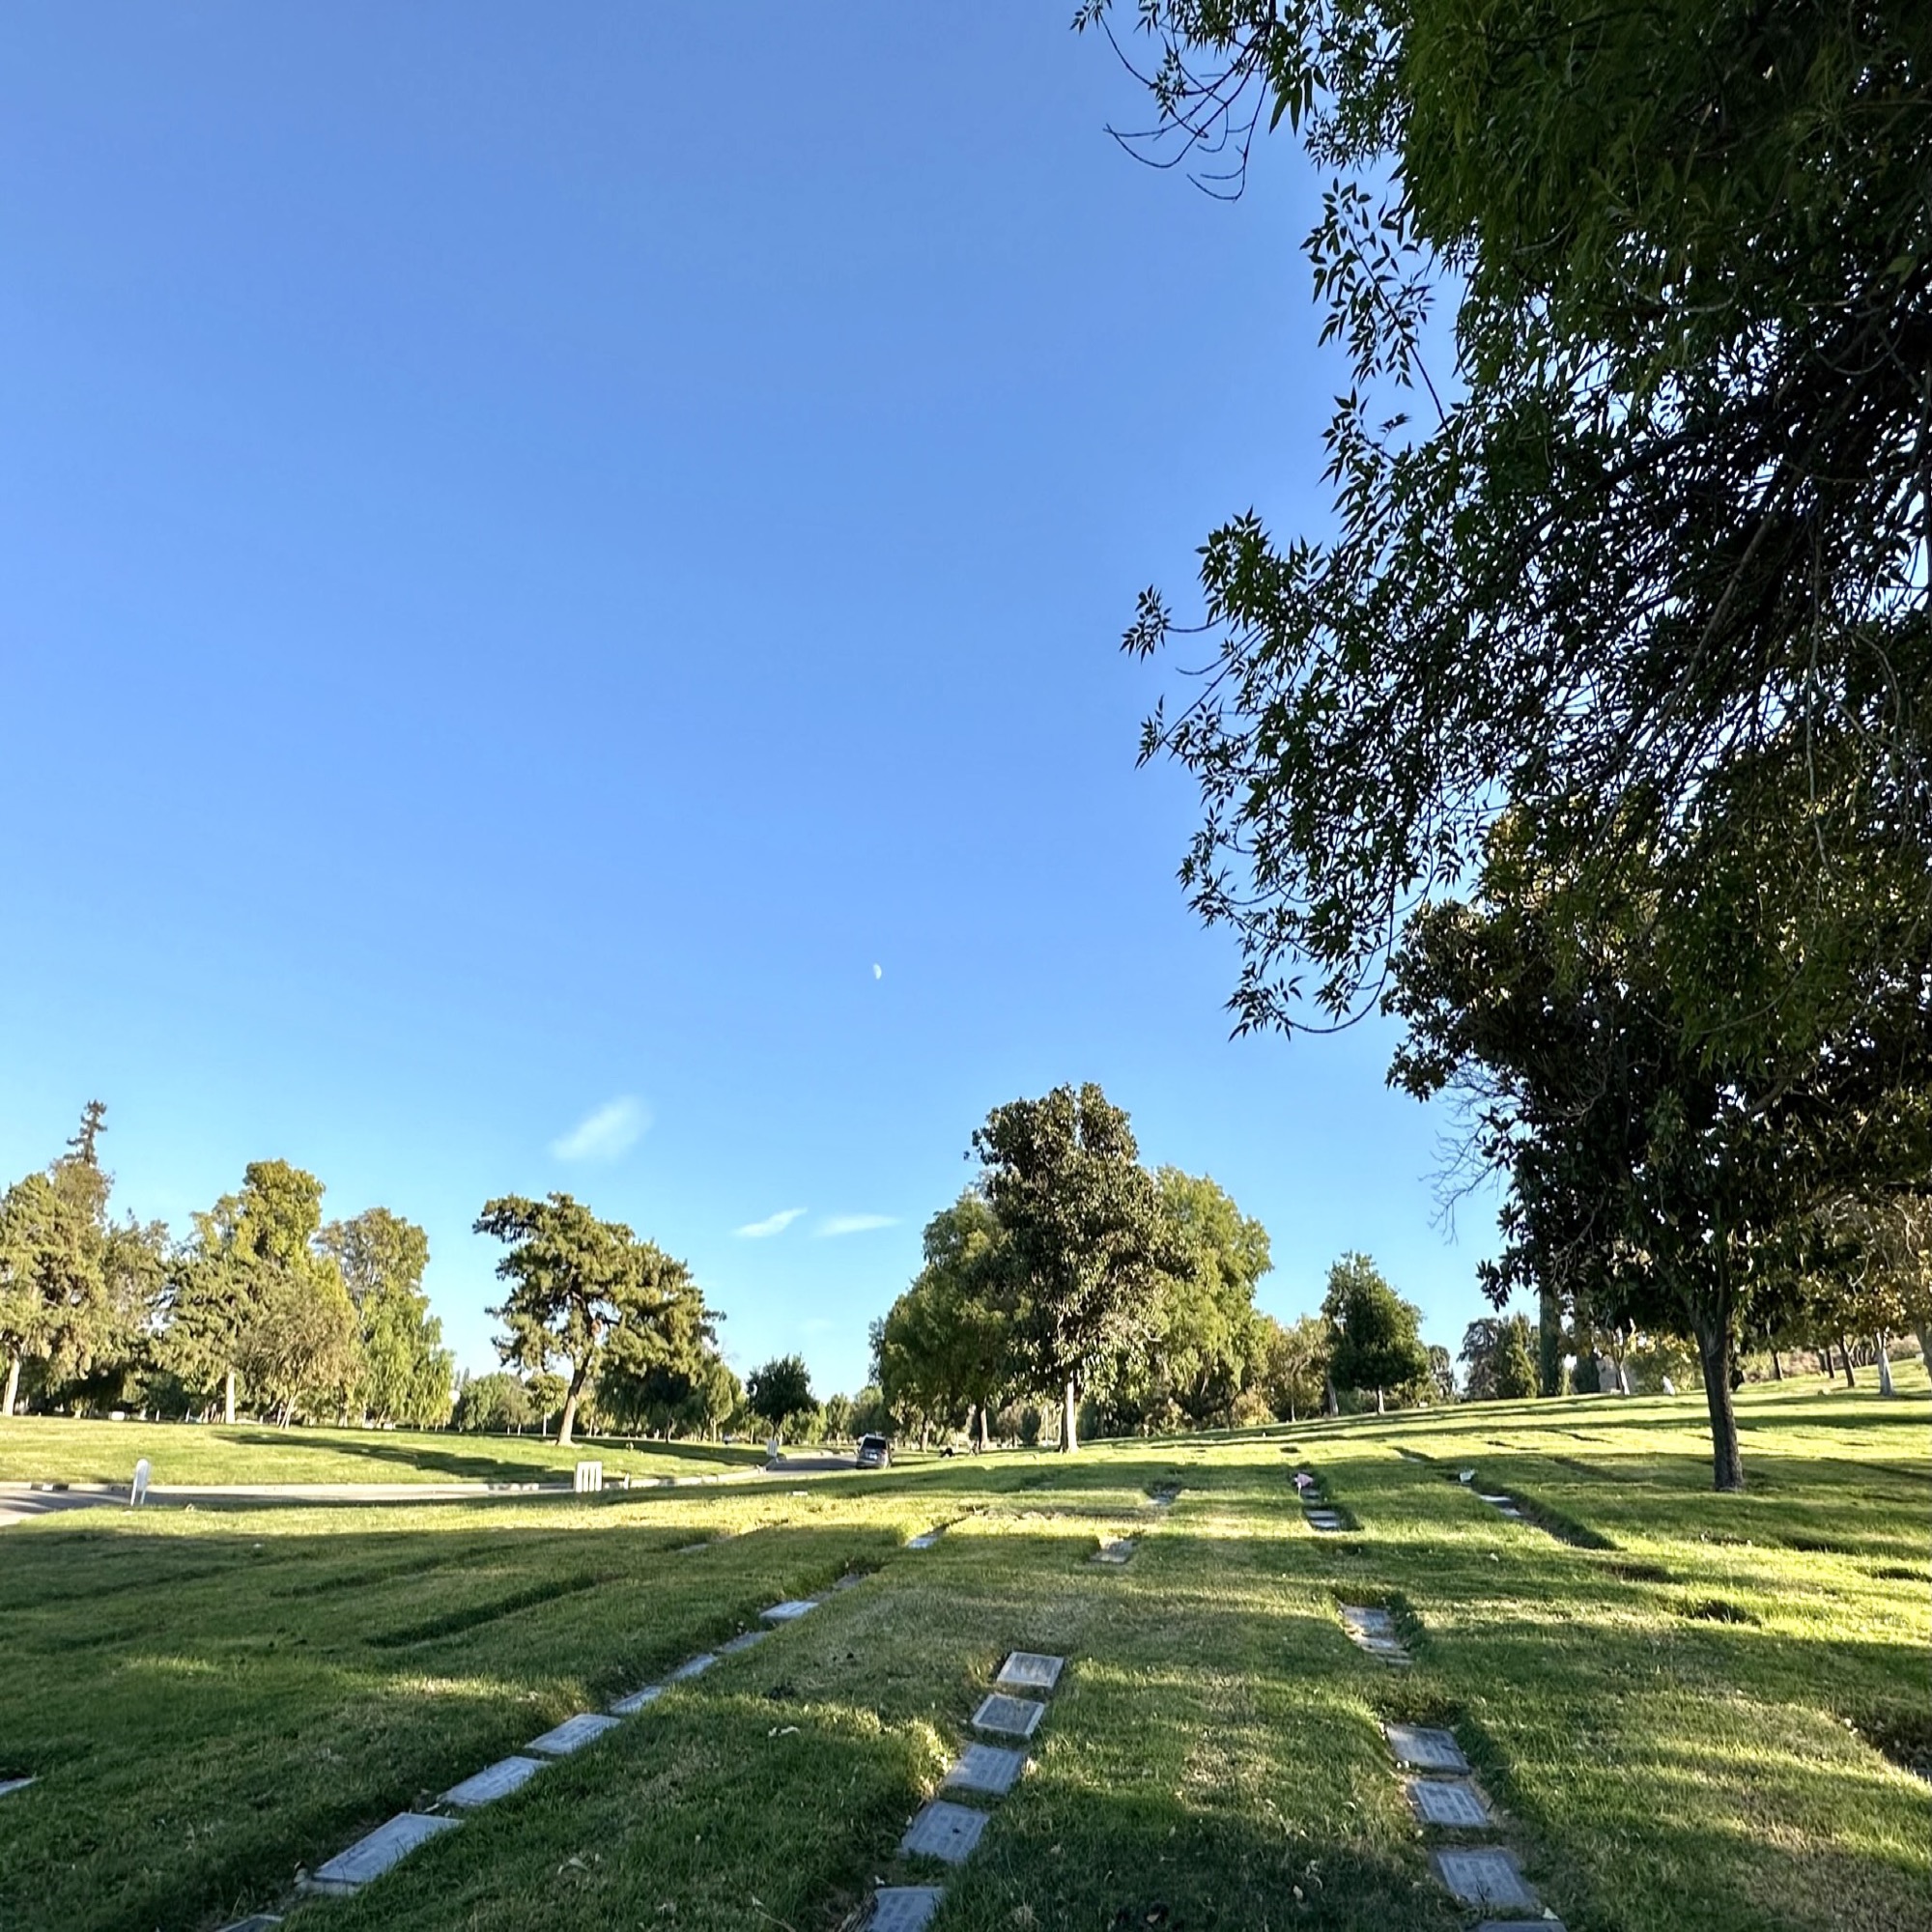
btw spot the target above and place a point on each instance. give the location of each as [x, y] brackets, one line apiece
[771, 1224]
[606, 1134]
[855, 1224]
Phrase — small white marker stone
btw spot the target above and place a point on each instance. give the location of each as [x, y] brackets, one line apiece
[790, 1612]
[1487, 1877]
[945, 1832]
[924, 1541]
[573, 1734]
[1424, 1750]
[498, 1780]
[629, 1706]
[11, 1784]
[1449, 1800]
[992, 1770]
[1008, 1717]
[903, 1908]
[1118, 1551]
[370, 1858]
[137, 1494]
[1029, 1670]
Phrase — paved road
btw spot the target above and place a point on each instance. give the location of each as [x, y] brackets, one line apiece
[21, 1501]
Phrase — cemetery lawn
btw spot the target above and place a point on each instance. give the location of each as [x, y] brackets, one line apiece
[50, 1449]
[1693, 1711]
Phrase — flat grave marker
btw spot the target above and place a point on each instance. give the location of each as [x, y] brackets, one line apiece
[992, 1770]
[1449, 1800]
[1422, 1748]
[573, 1734]
[923, 1542]
[493, 1781]
[1384, 1650]
[903, 1908]
[11, 1784]
[945, 1832]
[743, 1641]
[1120, 1550]
[349, 1871]
[693, 1666]
[629, 1706]
[256, 1922]
[1008, 1717]
[790, 1610]
[1029, 1670]
[1485, 1876]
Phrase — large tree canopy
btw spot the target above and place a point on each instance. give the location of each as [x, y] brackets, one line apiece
[1085, 1244]
[1668, 502]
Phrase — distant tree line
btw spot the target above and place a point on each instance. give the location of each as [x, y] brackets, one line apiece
[262, 1306]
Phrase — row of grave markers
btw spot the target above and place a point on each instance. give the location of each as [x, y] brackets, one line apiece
[948, 1832]
[1441, 1789]
[389, 1844]
[1321, 1513]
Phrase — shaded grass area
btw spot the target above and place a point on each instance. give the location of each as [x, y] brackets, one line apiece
[42, 1449]
[1698, 1726]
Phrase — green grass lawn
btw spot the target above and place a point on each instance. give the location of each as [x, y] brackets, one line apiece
[1669, 1693]
[38, 1449]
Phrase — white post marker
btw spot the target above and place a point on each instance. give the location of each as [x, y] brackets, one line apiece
[589, 1477]
[138, 1494]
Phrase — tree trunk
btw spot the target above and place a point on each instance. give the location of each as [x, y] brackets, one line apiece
[1885, 1386]
[1777, 1367]
[1925, 1345]
[1845, 1356]
[1070, 1424]
[1714, 1350]
[228, 1398]
[12, 1385]
[568, 1421]
[1331, 1402]
[1550, 1343]
[979, 1429]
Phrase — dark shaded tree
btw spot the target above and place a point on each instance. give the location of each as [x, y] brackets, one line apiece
[780, 1392]
[1497, 1363]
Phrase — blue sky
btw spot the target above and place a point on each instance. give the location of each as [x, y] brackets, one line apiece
[559, 580]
